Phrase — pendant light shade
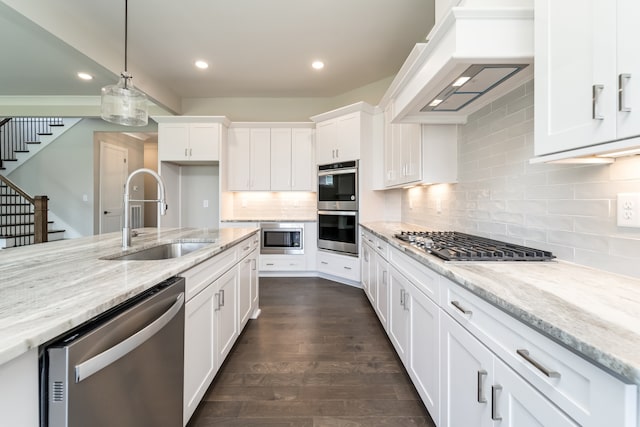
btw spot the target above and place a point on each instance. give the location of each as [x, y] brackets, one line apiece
[122, 103]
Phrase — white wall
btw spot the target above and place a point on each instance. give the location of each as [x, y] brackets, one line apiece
[568, 209]
[281, 109]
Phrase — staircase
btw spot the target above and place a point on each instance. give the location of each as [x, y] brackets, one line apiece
[23, 219]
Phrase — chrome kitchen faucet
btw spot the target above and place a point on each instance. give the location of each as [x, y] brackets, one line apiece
[126, 230]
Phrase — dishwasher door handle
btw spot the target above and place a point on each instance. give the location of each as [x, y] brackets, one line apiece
[100, 361]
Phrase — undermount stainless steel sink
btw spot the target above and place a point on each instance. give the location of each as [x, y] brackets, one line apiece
[164, 251]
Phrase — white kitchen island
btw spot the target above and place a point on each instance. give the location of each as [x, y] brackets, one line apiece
[48, 289]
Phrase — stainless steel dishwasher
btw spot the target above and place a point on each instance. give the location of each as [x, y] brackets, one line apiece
[123, 368]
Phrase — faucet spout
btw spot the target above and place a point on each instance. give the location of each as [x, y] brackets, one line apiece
[126, 230]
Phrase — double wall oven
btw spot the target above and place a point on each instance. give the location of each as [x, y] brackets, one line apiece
[338, 207]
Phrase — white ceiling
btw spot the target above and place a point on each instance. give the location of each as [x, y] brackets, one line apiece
[255, 48]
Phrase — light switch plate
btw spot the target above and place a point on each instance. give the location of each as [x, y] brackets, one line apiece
[629, 210]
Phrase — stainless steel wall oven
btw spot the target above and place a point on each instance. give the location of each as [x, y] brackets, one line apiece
[338, 186]
[338, 231]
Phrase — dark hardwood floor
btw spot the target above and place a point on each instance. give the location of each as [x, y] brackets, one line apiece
[316, 356]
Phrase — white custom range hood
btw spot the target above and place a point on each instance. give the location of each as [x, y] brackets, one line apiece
[473, 56]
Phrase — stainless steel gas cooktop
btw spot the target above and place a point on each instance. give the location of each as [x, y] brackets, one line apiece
[455, 246]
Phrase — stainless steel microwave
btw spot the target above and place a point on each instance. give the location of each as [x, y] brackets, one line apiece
[279, 238]
[338, 186]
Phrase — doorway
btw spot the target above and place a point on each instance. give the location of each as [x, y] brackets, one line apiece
[114, 169]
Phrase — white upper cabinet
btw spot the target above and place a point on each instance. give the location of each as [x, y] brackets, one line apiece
[249, 159]
[339, 133]
[180, 141]
[269, 158]
[339, 139]
[587, 92]
[402, 152]
[292, 167]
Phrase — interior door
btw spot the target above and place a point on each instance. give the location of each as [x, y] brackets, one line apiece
[113, 177]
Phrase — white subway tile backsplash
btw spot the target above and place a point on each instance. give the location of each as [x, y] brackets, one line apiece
[596, 208]
[567, 209]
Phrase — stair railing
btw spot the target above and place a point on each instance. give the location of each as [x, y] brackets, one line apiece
[39, 209]
[17, 133]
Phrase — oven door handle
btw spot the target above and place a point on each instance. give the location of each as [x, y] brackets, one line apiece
[337, 172]
[343, 213]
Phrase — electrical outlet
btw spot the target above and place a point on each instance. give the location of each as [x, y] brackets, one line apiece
[205, 203]
[629, 210]
[439, 205]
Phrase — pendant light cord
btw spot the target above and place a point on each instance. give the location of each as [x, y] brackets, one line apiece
[126, 27]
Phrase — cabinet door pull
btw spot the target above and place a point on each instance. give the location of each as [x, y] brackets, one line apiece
[384, 277]
[254, 264]
[547, 372]
[457, 305]
[337, 153]
[217, 301]
[494, 402]
[402, 297]
[623, 80]
[222, 297]
[185, 152]
[597, 91]
[482, 374]
[190, 152]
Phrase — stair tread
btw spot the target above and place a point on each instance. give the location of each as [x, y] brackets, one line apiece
[16, 236]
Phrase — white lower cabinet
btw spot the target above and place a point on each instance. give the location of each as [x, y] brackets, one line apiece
[366, 270]
[474, 365]
[226, 292]
[414, 327]
[339, 266]
[398, 315]
[222, 294]
[382, 289]
[19, 391]
[481, 390]
[200, 348]
[248, 287]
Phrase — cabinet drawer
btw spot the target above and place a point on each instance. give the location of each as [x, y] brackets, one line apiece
[200, 276]
[248, 245]
[282, 263]
[426, 280]
[584, 391]
[379, 245]
[344, 266]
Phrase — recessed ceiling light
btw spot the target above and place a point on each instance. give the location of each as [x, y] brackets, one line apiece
[461, 80]
[318, 65]
[202, 65]
[435, 102]
[85, 76]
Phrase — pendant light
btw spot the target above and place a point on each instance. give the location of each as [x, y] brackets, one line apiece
[121, 103]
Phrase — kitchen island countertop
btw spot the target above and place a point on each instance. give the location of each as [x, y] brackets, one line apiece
[48, 289]
[592, 312]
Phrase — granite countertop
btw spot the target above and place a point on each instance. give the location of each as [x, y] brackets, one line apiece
[592, 312]
[49, 288]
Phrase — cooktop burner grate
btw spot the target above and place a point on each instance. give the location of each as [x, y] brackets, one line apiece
[455, 246]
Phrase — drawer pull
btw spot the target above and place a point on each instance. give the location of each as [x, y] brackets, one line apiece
[269, 263]
[457, 305]
[347, 268]
[482, 374]
[494, 402]
[246, 248]
[380, 247]
[324, 262]
[547, 372]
